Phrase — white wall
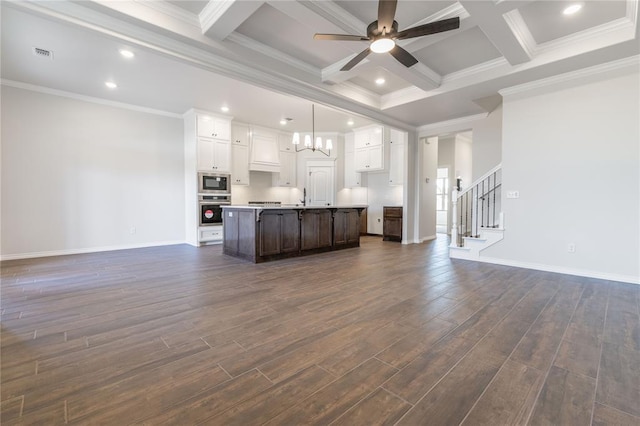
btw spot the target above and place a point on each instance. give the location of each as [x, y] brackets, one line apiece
[487, 144]
[463, 161]
[574, 156]
[78, 176]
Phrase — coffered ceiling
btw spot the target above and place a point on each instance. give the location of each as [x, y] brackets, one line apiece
[269, 44]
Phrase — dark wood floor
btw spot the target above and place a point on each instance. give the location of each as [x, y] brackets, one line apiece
[383, 334]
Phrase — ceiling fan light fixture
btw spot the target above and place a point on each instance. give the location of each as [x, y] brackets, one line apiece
[382, 45]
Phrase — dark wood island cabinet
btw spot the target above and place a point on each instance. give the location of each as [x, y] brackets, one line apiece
[261, 234]
[392, 223]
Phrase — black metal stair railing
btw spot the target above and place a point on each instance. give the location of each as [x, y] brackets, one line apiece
[477, 207]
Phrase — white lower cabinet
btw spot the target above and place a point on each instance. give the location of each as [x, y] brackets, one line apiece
[210, 234]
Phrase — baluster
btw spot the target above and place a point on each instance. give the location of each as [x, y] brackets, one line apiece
[494, 200]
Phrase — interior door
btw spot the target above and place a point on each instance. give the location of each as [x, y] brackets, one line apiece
[320, 185]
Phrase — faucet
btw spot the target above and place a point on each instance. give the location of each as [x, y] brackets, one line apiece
[304, 197]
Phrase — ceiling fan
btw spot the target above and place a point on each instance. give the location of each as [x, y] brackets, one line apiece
[383, 34]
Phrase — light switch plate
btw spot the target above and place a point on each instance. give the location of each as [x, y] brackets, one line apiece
[513, 194]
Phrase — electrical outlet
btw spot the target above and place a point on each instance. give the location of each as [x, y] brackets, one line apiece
[132, 230]
[513, 194]
[571, 247]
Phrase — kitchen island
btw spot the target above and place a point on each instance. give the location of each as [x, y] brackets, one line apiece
[263, 233]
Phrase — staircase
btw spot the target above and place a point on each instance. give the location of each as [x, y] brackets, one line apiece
[477, 220]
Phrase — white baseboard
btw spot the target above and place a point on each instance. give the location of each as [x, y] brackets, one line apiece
[86, 250]
[427, 238]
[560, 270]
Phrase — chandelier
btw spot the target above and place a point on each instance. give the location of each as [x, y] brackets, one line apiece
[312, 142]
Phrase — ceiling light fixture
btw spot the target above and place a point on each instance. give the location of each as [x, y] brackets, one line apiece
[110, 84]
[127, 53]
[572, 9]
[382, 45]
[225, 109]
[380, 81]
[350, 123]
[308, 144]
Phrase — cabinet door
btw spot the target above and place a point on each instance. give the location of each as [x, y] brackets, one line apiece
[361, 159]
[221, 155]
[287, 175]
[240, 165]
[376, 136]
[376, 158]
[339, 227]
[240, 135]
[290, 232]
[316, 229]
[270, 230]
[213, 127]
[362, 138]
[353, 226]
[205, 154]
[230, 225]
[351, 177]
[285, 144]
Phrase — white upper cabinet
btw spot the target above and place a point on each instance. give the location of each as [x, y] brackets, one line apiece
[284, 140]
[214, 155]
[287, 175]
[264, 154]
[369, 149]
[240, 134]
[397, 146]
[210, 126]
[239, 164]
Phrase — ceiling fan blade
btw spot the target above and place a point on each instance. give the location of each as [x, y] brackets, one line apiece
[404, 57]
[430, 28]
[346, 37]
[386, 14]
[359, 57]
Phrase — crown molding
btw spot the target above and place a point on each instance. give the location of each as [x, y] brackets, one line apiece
[173, 11]
[473, 71]
[361, 94]
[629, 64]
[401, 97]
[85, 98]
[213, 11]
[337, 15]
[616, 31]
[263, 49]
[521, 32]
[458, 123]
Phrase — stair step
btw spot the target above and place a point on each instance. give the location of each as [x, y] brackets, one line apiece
[456, 248]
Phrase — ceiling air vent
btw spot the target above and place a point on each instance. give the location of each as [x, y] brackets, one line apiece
[42, 53]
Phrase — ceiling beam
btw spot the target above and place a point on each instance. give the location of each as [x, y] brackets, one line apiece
[220, 18]
[418, 75]
[494, 25]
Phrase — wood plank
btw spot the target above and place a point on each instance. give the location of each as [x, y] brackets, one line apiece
[619, 379]
[454, 396]
[328, 404]
[604, 416]
[566, 398]
[379, 408]
[509, 398]
[268, 404]
[577, 358]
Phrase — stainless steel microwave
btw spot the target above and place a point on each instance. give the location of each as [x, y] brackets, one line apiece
[214, 183]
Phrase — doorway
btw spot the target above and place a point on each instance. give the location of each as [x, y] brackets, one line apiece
[320, 183]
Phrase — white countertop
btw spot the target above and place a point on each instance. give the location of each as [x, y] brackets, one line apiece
[295, 207]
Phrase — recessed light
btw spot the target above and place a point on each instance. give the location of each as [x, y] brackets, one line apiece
[570, 10]
[380, 81]
[110, 84]
[127, 53]
[350, 122]
[283, 122]
[225, 109]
